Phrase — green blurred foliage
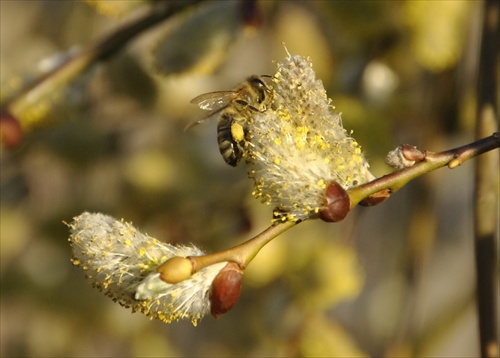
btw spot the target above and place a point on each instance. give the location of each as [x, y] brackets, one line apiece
[392, 280]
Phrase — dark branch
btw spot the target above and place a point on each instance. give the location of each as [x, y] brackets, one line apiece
[486, 194]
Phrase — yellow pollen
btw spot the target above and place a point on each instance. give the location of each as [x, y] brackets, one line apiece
[237, 132]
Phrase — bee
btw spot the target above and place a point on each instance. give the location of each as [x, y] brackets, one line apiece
[235, 109]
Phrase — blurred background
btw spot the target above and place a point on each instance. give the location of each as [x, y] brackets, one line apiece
[392, 280]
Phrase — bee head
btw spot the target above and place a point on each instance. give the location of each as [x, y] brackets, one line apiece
[262, 92]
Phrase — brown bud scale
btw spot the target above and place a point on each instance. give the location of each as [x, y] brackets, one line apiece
[337, 203]
[225, 289]
[376, 198]
[412, 153]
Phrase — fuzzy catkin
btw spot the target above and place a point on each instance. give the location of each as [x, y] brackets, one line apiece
[122, 262]
[299, 145]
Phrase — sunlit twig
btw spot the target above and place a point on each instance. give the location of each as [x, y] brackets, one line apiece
[432, 161]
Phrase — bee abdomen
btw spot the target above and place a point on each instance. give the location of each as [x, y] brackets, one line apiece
[230, 152]
[227, 145]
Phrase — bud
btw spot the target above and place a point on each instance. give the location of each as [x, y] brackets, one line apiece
[225, 289]
[404, 156]
[337, 203]
[176, 269]
[376, 198]
[411, 152]
[10, 130]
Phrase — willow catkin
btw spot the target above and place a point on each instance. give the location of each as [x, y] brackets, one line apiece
[299, 146]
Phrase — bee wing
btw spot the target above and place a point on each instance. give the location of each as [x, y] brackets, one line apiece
[214, 101]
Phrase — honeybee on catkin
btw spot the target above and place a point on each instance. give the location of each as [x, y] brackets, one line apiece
[235, 109]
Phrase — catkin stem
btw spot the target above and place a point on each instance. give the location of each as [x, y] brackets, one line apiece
[244, 253]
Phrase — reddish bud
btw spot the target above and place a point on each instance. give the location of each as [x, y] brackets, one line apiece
[252, 14]
[10, 130]
[376, 198]
[412, 153]
[225, 289]
[337, 203]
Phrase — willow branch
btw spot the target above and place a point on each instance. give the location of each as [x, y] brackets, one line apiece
[432, 161]
[244, 253]
[67, 72]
